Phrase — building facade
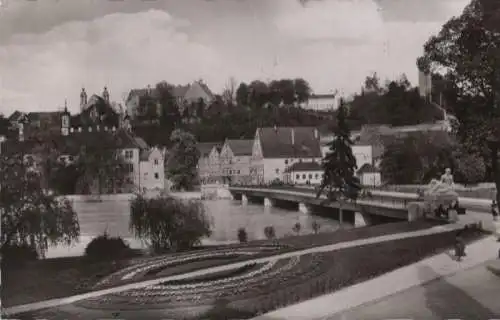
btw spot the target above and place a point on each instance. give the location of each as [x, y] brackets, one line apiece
[235, 159]
[209, 165]
[305, 173]
[321, 102]
[275, 149]
[151, 169]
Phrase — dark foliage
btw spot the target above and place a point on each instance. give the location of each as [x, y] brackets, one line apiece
[105, 247]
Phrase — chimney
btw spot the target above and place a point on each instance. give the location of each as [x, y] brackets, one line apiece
[293, 136]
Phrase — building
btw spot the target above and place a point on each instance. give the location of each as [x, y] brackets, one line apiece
[151, 168]
[309, 173]
[209, 167]
[183, 95]
[235, 159]
[321, 102]
[274, 149]
[91, 132]
[369, 175]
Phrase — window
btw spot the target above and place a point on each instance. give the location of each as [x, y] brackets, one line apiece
[310, 176]
[304, 176]
[238, 172]
[156, 162]
[297, 176]
[316, 176]
[277, 170]
[129, 154]
[286, 161]
[70, 158]
[157, 176]
[129, 167]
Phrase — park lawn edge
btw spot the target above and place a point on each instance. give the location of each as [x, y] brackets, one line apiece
[75, 275]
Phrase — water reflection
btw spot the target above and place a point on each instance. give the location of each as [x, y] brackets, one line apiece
[226, 215]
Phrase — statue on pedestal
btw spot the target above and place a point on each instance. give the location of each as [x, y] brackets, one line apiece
[447, 178]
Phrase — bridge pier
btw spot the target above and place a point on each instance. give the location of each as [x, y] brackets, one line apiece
[361, 219]
[416, 211]
[244, 200]
[268, 202]
[304, 208]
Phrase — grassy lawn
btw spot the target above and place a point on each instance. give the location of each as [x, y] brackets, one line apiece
[60, 277]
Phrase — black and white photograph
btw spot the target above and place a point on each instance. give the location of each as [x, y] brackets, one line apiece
[249, 159]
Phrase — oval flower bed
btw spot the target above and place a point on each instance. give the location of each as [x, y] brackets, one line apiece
[153, 267]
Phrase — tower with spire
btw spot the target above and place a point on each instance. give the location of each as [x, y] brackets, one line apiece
[65, 117]
[83, 99]
[105, 94]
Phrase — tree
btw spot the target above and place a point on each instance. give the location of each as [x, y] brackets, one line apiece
[101, 166]
[183, 160]
[259, 93]
[168, 222]
[302, 90]
[467, 51]
[229, 92]
[242, 94]
[296, 228]
[31, 215]
[339, 163]
[470, 168]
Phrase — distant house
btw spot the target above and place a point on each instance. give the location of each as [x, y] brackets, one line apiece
[274, 149]
[35, 123]
[151, 168]
[183, 95]
[209, 169]
[310, 173]
[235, 158]
[321, 102]
[369, 175]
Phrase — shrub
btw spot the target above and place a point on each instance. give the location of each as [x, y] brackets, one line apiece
[169, 223]
[242, 235]
[14, 254]
[269, 232]
[105, 247]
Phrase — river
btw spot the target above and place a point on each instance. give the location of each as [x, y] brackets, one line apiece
[226, 217]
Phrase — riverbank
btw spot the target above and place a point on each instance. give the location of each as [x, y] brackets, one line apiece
[288, 279]
[73, 275]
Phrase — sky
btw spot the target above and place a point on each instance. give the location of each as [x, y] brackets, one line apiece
[50, 49]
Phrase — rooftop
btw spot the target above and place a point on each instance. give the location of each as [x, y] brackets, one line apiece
[289, 142]
[304, 166]
[241, 147]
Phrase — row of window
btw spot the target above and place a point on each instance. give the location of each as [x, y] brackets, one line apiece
[310, 176]
[156, 175]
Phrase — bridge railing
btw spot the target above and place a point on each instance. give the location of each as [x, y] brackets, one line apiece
[385, 197]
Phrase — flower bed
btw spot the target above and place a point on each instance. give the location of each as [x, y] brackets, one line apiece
[278, 283]
[172, 264]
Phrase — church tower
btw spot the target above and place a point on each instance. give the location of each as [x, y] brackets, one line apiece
[65, 120]
[105, 94]
[83, 99]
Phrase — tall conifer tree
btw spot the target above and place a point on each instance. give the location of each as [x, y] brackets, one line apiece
[339, 163]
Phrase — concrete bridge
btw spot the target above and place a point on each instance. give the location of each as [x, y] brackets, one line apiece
[378, 208]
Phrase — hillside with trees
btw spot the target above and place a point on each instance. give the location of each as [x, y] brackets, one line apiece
[239, 110]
